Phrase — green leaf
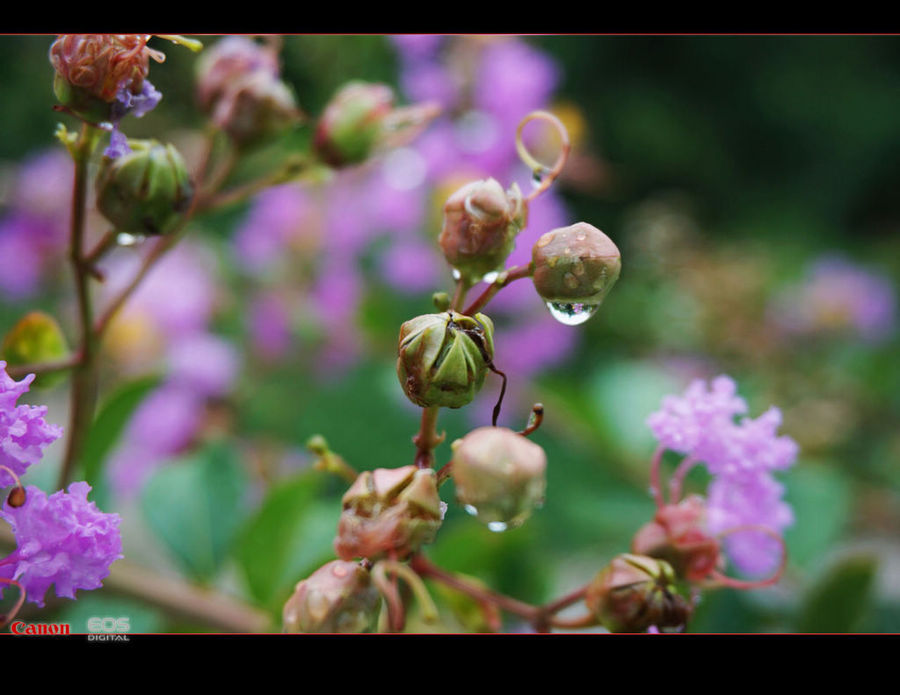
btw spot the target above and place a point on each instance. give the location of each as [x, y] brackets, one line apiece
[841, 598]
[111, 419]
[290, 537]
[812, 487]
[195, 506]
[140, 617]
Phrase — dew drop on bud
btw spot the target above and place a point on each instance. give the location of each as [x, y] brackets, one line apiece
[126, 239]
[456, 274]
[572, 314]
[491, 277]
[16, 497]
[497, 526]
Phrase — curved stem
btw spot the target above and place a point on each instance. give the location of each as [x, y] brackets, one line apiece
[503, 279]
[676, 482]
[8, 618]
[547, 176]
[731, 582]
[655, 486]
[414, 581]
[24, 370]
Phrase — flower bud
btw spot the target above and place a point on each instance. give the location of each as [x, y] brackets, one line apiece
[256, 107]
[36, 338]
[389, 512]
[352, 123]
[574, 268]
[634, 592]
[337, 597]
[146, 191]
[228, 61]
[443, 358]
[499, 476]
[677, 535]
[481, 222]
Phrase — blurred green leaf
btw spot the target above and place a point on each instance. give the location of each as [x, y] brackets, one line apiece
[195, 506]
[289, 537]
[111, 419]
[812, 488]
[840, 599]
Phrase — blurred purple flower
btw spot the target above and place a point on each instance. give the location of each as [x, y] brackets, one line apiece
[62, 540]
[838, 295]
[429, 81]
[754, 501]
[411, 266]
[417, 46]
[43, 189]
[204, 363]
[24, 434]
[270, 326]
[20, 259]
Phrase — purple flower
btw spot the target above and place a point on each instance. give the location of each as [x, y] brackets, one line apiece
[755, 501]
[204, 363]
[63, 540]
[126, 103]
[43, 189]
[411, 266]
[20, 258]
[270, 326]
[838, 296]
[427, 81]
[24, 434]
[417, 46]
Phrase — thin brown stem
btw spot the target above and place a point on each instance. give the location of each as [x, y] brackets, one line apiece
[655, 486]
[23, 370]
[107, 242]
[459, 295]
[427, 438]
[676, 482]
[506, 277]
[8, 618]
[588, 620]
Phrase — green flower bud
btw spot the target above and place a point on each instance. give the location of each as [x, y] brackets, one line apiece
[36, 338]
[481, 222]
[443, 358]
[337, 597]
[145, 192]
[634, 592]
[389, 512]
[353, 123]
[574, 268]
[257, 107]
[499, 476]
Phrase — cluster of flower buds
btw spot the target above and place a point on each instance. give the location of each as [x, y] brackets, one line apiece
[443, 358]
[481, 222]
[147, 191]
[634, 592]
[499, 476]
[678, 535]
[574, 268]
[338, 597]
[239, 87]
[93, 69]
[389, 512]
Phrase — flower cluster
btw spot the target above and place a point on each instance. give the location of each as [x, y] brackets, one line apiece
[24, 433]
[62, 540]
[741, 456]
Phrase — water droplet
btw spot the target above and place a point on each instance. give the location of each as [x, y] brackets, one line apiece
[497, 526]
[456, 274]
[106, 125]
[537, 178]
[571, 314]
[126, 239]
[581, 236]
[490, 277]
[471, 510]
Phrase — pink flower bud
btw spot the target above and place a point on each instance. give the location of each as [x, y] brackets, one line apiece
[101, 64]
[337, 597]
[389, 512]
[353, 123]
[481, 222]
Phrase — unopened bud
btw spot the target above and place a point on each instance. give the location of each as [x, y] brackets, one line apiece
[574, 268]
[228, 61]
[353, 123]
[500, 476]
[634, 592]
[92, 68]
[147, 191]
[16, 497]
[258, 106]
[481, 222]
[678, 535]
[389, 512]
[337, 597]
[36, 338]
[443, 358]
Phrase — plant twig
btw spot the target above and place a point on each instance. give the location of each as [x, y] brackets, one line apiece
[506, 277]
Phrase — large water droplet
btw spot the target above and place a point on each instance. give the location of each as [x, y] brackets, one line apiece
[491, 277]
[572, 314]
[497, 526]
[126, 239]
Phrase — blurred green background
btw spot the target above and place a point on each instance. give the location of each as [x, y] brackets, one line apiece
[724, 167]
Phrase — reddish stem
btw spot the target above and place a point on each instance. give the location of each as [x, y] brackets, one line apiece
[655, 486]
[4, 620]
[731, 582]
[505, 278]
[676, 482]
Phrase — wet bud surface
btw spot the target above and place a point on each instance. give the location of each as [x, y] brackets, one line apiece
[338, 597]
[388, 512]
[353, 123]
[443, 358]
[481, 222]
[500, 476]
